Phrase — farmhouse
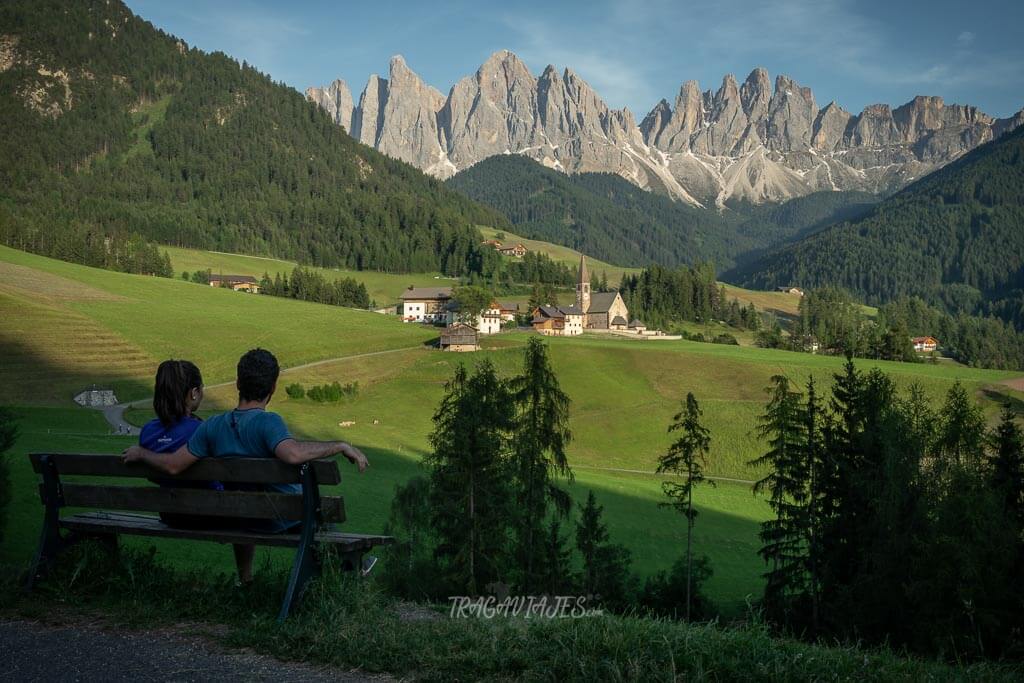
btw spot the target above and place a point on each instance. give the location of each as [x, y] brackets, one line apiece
[239, 283]
[494, 244]
[424, 304]
[490, 320]
[790, 290]
[96, 397]
[459, 337]
[925, 344]
[558, 321]
[518, 250]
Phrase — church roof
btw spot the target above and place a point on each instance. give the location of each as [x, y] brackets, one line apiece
[618, 320]
[601, 302]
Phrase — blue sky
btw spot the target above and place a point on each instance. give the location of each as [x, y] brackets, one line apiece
[634, 52]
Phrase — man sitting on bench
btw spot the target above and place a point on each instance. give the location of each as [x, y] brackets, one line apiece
[249, 431]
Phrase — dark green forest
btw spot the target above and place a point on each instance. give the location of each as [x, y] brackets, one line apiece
[606, 216]
[549, 205]
[953, 239]
[113, 128]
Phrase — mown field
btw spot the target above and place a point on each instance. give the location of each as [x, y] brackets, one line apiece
[623, 393]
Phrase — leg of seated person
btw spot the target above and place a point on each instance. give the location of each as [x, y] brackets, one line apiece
[244, 554]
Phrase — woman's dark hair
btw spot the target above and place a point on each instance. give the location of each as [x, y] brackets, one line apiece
[257, 374]
[175, 379]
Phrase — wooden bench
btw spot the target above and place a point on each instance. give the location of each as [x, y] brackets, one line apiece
[120, 507]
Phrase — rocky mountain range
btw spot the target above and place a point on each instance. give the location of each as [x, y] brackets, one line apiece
[747, 142]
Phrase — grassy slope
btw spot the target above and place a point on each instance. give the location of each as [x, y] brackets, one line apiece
[383, 288]
[769, 301]
[623, 394]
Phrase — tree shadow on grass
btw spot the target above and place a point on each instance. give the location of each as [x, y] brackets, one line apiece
[1004, 398]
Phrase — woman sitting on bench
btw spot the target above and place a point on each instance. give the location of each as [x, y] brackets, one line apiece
[177, 394]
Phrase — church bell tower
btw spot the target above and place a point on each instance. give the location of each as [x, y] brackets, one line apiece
[583, 287]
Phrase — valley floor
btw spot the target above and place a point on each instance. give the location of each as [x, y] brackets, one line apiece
[76, 326]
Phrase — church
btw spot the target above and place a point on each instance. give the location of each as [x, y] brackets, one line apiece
[601, 310]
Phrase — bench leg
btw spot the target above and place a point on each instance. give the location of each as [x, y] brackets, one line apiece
[305, 567]
[51, 544]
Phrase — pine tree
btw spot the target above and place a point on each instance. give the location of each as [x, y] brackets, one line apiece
[468, 477]
[556, 568]
[686, 458]
[591, 535]
[962, 432]
[539, 440]
[814, 458]
[785, 549]
[605, 565]
[1007, 465]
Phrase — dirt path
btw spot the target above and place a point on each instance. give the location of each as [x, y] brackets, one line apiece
[1017, 383]
[115, 414]
[115, 417]
[655, 474]
[30, 651]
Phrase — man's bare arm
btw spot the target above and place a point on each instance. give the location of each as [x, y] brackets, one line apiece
[171, 463]
[297, 452]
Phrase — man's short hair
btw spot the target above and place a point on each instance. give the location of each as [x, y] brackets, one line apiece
[257, 374]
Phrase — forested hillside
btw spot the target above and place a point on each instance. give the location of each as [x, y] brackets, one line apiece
[772, 225]
[112, 127]
[610, 218]
[954, 239]
[598, 214]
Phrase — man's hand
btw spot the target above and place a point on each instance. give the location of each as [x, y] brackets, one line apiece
[133, 454]
[355, 456]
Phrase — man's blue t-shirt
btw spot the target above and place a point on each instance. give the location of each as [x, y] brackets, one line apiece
[157, 437]
[252, 433]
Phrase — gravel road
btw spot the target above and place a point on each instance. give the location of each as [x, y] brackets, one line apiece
[35, 652]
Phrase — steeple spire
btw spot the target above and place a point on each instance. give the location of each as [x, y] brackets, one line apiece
[583, 286]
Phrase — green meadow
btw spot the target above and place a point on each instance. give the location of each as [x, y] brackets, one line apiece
[67, 326]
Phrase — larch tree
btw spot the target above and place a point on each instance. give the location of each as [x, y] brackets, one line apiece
[686, 458]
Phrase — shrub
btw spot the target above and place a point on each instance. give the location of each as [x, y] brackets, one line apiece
[333, 392]
[725, 338]
[295, 391]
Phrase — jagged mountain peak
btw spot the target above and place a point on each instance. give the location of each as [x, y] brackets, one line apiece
[756, 141]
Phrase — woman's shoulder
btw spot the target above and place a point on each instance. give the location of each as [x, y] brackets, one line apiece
[151, 427]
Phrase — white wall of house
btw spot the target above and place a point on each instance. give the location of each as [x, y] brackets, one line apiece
[416, 311]
[573, 325]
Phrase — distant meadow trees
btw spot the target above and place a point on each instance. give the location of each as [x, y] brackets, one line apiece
[893, 521]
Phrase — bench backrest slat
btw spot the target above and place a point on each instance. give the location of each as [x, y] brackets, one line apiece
[250, 470]
[247, 504]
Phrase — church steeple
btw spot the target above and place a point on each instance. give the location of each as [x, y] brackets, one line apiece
[583, 286]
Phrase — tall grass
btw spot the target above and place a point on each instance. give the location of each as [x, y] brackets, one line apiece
[349, 623]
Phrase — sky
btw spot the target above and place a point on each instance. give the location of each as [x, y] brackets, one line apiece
[633, 52]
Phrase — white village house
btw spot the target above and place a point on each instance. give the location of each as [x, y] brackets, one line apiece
[490, 320]
[424, 304]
